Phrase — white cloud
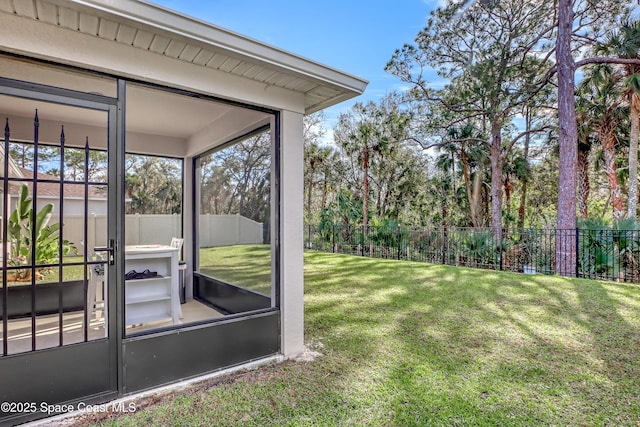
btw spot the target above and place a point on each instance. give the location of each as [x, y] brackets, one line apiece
[634, 10]
[435, 3]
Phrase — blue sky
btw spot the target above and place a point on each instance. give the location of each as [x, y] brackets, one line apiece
[354, 36]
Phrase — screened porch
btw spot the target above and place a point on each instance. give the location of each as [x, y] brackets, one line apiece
[199, 182]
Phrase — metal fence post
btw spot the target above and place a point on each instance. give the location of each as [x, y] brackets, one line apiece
[444, 238]
[506, 231]
[577, 251]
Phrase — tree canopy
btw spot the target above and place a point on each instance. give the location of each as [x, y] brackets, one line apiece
[503, 127]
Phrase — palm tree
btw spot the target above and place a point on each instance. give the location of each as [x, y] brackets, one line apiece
[625, 43]
[331, 171]
[585, 143]
[366, 133]
[466, 143]
[582, 172]
[311, 159]
[602, 94]
[516, 169]
[315, 158]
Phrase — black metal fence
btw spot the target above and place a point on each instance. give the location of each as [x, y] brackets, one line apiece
[600, 254]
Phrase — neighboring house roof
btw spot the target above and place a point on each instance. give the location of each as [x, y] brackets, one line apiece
[51, 189]
[155, 29]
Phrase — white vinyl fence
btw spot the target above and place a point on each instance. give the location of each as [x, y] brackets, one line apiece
[225, 230]
[215, 230]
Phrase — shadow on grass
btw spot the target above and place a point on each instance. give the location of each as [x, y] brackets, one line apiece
[408, 343]
[459, 346]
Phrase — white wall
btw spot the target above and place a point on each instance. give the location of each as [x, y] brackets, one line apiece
[72, 206]
[291, 262]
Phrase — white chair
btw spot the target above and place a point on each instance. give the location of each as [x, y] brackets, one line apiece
[176, 242]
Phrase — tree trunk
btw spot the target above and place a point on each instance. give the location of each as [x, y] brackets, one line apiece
[508, 187]
[584, 186]
[610, 168]
[632, 208]
[496, 182]
[323, 203]
[383, 211]
[486, 197]
[365, 186]
[568, 141]
[525, 180]
[466, 173]
[445, 213]
[477, 198]
[310, 188]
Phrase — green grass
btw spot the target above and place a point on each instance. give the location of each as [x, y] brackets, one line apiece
[69, 273]
[412, 344]
[246, 265]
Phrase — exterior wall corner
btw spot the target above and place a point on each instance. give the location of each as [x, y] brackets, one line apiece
[291, 220]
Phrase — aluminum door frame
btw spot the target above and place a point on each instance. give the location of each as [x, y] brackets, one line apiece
[86, 372]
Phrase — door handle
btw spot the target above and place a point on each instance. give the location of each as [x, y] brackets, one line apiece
[110, 249]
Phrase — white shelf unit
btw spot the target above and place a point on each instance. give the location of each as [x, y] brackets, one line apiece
[154, 298]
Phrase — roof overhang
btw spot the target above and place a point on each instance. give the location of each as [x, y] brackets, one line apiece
[158, 30]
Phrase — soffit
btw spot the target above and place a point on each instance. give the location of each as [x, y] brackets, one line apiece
[152, 28]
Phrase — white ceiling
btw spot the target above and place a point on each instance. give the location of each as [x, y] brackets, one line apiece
[159, 112]
[150, 111]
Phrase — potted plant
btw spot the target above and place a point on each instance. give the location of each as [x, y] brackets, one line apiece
[22, 226]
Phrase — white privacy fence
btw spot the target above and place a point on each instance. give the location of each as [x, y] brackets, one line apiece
[215, 230]
[224, 230]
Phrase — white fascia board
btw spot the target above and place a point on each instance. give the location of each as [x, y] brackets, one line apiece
[33, 38]
[328, 103]
[172, 22]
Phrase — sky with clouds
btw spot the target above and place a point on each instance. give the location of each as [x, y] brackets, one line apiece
[354, 36]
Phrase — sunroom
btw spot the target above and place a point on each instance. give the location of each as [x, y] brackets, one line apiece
[151, 170]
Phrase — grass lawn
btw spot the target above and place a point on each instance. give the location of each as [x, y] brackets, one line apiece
[248, 266]
[407, 344]
[69, 273]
